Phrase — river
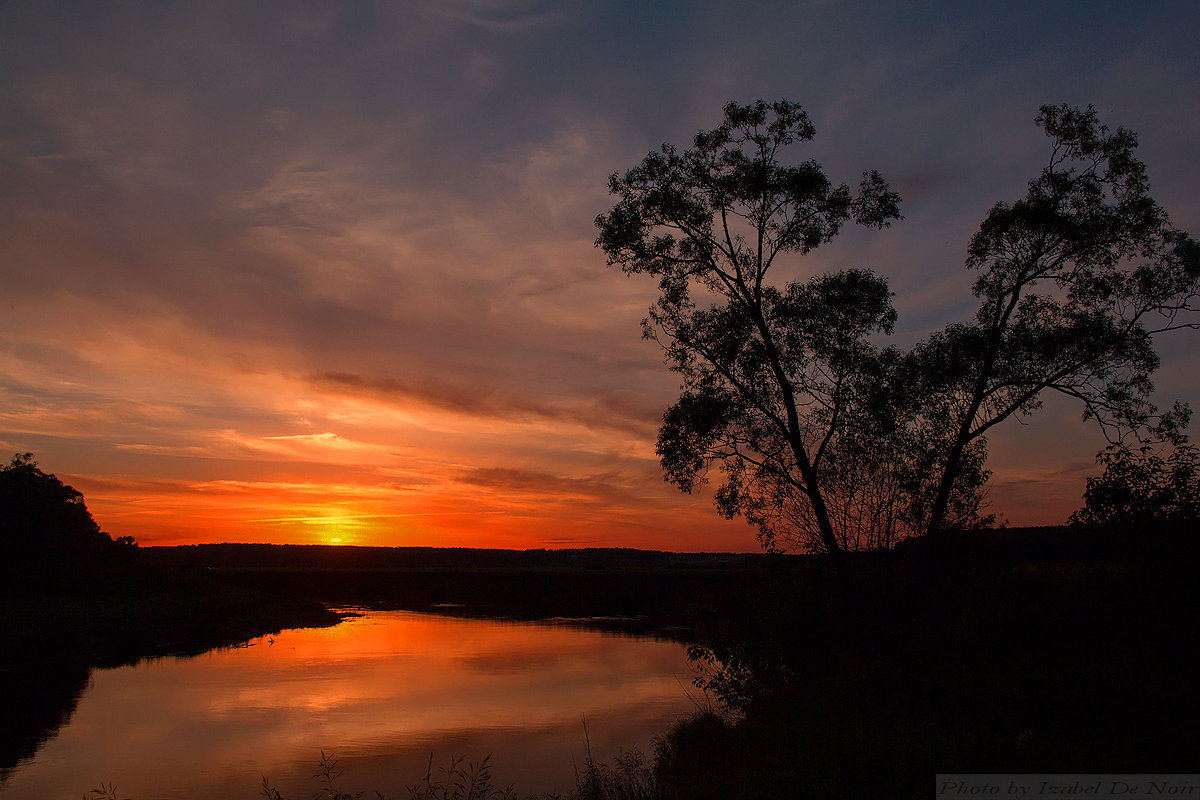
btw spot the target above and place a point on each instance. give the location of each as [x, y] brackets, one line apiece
[382, 692]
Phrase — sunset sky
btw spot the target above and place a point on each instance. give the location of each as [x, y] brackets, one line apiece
[321, 272]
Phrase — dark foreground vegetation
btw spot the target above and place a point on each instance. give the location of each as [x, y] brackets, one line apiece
[1051, 651]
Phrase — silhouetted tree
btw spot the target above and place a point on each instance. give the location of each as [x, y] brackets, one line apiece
[827, 441]
[1076, 279]
[42, 519]
[1157, 481]
[780, 384]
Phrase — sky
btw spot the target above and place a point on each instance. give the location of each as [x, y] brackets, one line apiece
[322, 272]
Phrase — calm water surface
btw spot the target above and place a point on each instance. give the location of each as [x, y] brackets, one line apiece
[381, 691]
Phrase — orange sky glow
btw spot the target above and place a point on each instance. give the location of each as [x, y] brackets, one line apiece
[328, 276]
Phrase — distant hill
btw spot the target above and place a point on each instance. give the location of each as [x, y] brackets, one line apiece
[1000, 544]
[293, 556]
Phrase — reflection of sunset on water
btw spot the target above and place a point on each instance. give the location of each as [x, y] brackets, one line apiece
[383, 691]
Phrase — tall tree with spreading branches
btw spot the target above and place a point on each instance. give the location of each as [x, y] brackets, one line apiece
[827, 441]
[1076, 279]
[780, 384]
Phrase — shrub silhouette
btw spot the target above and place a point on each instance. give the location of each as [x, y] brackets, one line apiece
[44, 522]
[1147, 485]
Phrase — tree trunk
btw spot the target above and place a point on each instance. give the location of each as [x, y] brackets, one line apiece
[941, 501]
[796, 443]
[824, 525]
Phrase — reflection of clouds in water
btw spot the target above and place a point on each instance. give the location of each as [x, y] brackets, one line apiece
[382, 691]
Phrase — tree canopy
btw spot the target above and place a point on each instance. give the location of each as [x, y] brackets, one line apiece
[825, 439]
[1154, 481]
[42, 519]
[778, 381]
[1075, 281]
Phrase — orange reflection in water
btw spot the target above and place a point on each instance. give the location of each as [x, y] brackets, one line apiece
[382, 691]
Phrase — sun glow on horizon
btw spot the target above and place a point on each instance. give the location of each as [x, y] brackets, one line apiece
[528, 484]
[448, 514]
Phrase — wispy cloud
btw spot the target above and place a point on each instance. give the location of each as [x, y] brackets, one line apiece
[255, 261]
[621, 411]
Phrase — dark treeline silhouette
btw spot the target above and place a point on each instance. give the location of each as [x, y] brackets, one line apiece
[47, 535]
[640, 591]
[621, 589]
[235, 555]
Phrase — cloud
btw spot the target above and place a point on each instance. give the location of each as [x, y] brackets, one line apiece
[514, 16]
[352, 244]
[541, 483]
[616, 411]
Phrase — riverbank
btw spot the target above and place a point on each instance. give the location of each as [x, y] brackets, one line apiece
[1052, 650]
[55, 633]
[1073, 652]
